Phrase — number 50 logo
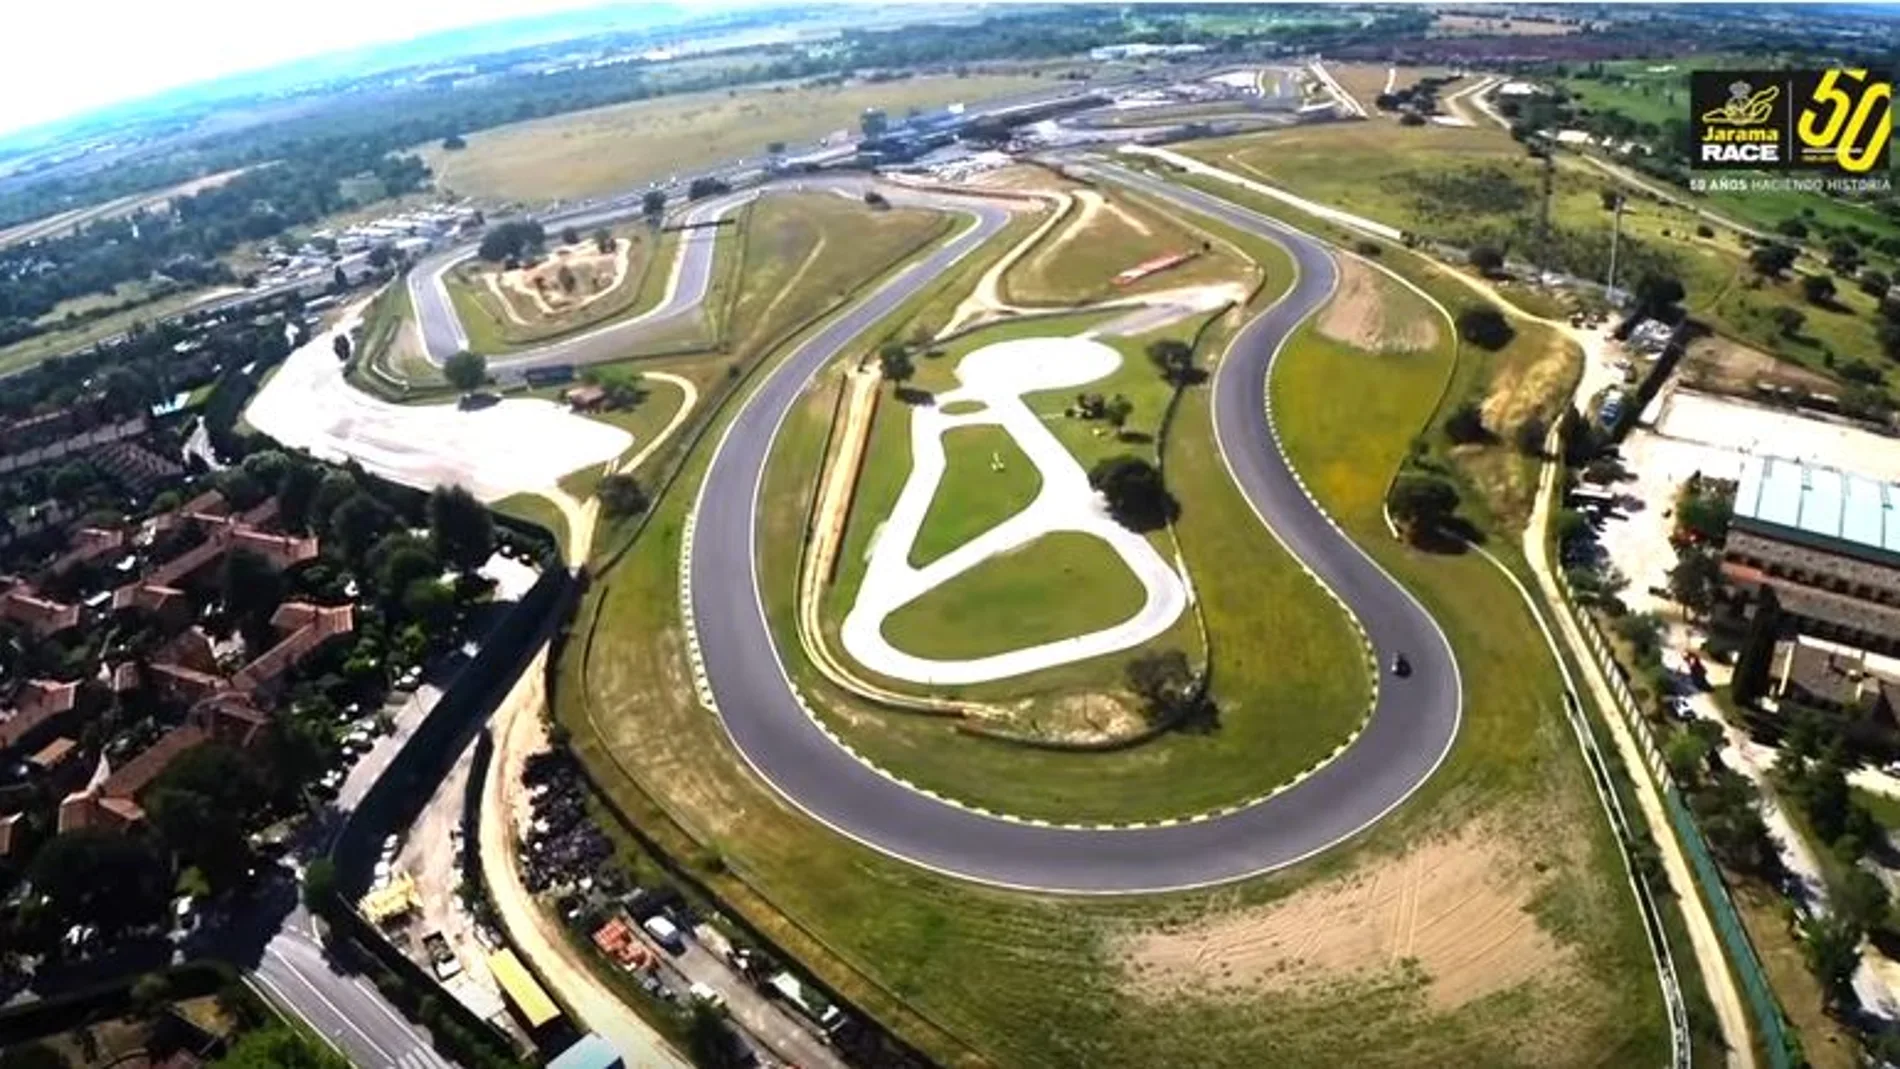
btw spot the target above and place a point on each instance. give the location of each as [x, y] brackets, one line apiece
[1848, 121]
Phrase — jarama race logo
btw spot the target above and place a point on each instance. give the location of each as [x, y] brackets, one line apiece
[1836, 120]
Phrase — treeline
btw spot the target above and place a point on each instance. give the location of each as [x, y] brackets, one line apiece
[183, 240]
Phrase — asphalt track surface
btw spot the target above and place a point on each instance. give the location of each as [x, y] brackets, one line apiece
[1413, 722]
[443, 335]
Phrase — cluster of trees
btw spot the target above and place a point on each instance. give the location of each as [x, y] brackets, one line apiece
[512, 241]
[1171, 692]
[1137, 496]
[1486, 327]
[182, 239]
[1422, 504]
[1703, 511]
[465, 370]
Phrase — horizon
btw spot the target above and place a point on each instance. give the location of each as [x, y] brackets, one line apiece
[205, 41]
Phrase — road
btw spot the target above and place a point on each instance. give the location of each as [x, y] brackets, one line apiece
[346, 1010]
[1413, 722]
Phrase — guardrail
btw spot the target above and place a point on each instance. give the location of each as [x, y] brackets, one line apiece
[1714, 889]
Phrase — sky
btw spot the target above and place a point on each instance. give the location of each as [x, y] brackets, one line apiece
[67, 57]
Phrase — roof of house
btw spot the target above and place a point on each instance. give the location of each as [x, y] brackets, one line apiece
[133, 777]
[1820, 502]
[39, 702]
[1832, 676]
[313, 626]
[53, 753]
[42, 615]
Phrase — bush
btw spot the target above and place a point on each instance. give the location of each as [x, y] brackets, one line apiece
[1487, 259]
[1367, 248]
[1485, 327]
[1465, 425]
[1136, 496]
[1818, 289]
[1704, 230]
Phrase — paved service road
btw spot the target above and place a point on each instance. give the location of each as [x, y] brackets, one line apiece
[1411, 728]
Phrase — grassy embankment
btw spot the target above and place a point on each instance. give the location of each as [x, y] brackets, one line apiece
[1077, 262]
[976, 975]
[1477, 186]
[491, 331]
[611, 149]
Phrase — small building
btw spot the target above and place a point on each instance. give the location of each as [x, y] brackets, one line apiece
[588, 398]
[591, 1051]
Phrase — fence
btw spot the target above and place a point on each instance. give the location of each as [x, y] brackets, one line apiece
[1728, 922]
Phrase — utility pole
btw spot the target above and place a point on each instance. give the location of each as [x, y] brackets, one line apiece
[1616, 233]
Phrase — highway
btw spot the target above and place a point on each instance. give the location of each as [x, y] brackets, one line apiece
[1411, 728]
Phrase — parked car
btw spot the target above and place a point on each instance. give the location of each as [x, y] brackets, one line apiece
[665, 933]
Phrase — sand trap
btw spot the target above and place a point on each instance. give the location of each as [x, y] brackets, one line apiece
[309, 405]
[1452, 907]
[997, 376]
[1358, 317]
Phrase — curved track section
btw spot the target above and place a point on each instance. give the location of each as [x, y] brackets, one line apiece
[1411, 728]
[689, 279]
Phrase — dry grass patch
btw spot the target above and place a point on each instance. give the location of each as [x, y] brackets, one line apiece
[1525, 388]
[1362, 315]
[1453, 913]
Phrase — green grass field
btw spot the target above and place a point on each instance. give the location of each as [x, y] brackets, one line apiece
[1078, 261]
[65, 339]
[1380, 173]
[1061, 585]
[537, 510]
[986, 480]
[611, 149]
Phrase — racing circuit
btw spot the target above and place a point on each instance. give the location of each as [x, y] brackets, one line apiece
[1412, 724]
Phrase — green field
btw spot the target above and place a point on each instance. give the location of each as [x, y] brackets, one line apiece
[986, 480]
[536, 510]
[65, 339]
[1077, 262]
[1062, 584]
[612, 149]
[1491, 198]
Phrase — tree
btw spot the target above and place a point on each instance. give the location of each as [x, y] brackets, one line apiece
[72, 480]
[1609, 198]
[1787, 320]
[1485, 327]
[710, 1042]
[277, 1047]
[1770, 260]
[381, 255]
[1420, 503]
[429, 602]
[1860, 898]
[653, 204]
[1530, 436]
[341, 346]
[461, 528]
[319, 885]
[621, 495]
[454, 143]
[1116, 411]
[1465, 425]
[1818, 289]
[1752, 660]
[338, 280]
[296, 492]
[335, 488]
[570, 236]
[101, 878]
[1695, 579]
[249, 587]
[1658, 294]
[1488, 259]
[566, 278]
[706, 186]
[603, 241]
[875, 199]
[1874, 283]
[465, 370]
[894, 363]
[1166, 685]
[1175, 360]
[358, 523]
[775, 148]
[1832, 947]
[512, 240]
[400, 559]
[1687, 754]
[1136, 495]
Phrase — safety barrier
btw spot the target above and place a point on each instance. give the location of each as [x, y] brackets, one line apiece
[1714, 889]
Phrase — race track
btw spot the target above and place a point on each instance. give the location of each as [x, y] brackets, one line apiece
[1409, 732]
[1411, 728]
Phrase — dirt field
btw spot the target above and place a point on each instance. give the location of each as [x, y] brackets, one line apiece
[1450, 912]
[1357, 317]
[610, 149]
[535, 292]
[1722, 365]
